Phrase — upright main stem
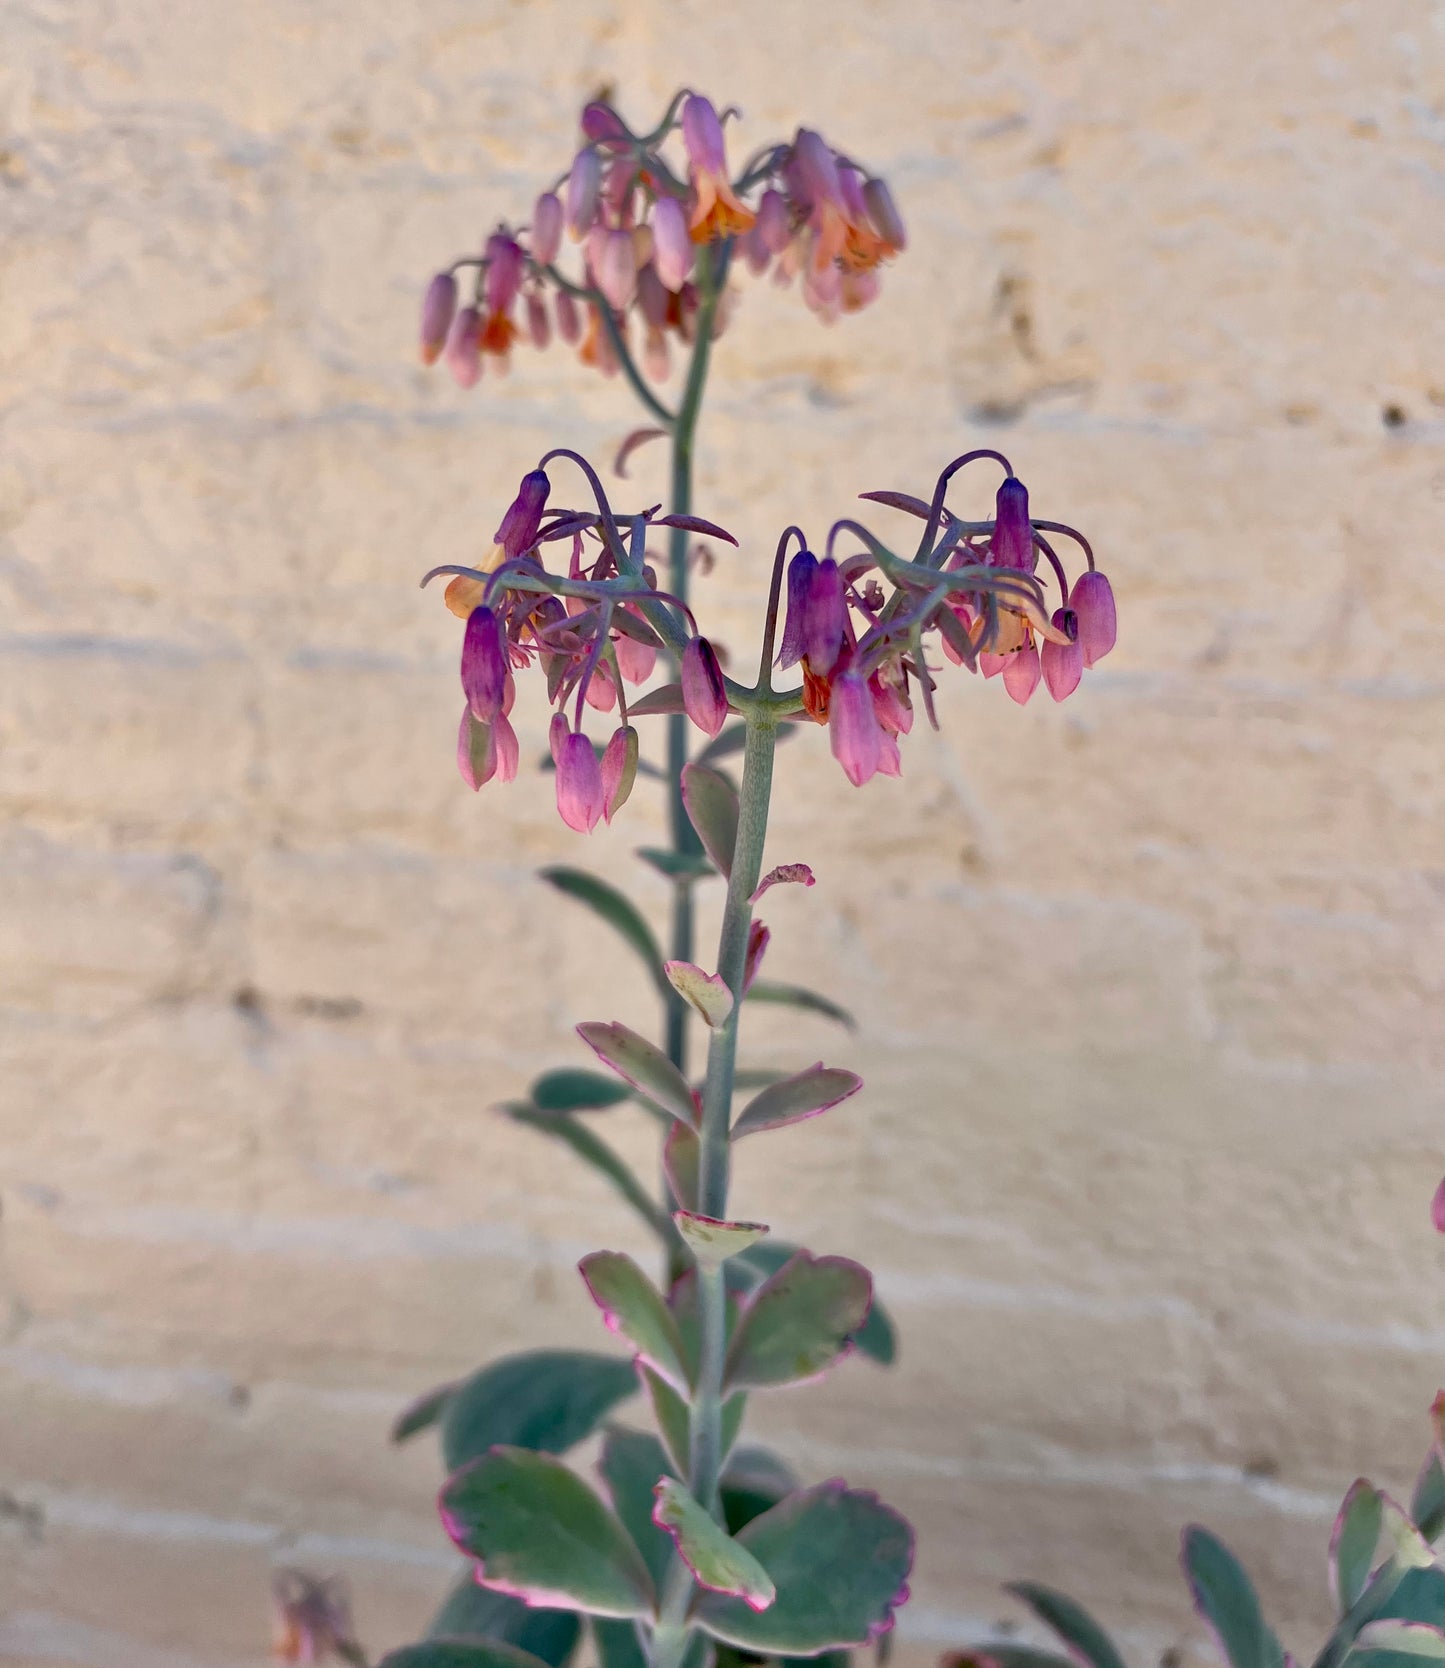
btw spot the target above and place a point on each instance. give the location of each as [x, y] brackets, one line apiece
[684, 840]
[705, 1459]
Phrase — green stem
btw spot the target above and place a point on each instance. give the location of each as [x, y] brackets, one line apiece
[705, 1460]
[684, 839]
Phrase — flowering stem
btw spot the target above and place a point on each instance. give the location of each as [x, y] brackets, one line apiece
[684, 839]
[705, 1459]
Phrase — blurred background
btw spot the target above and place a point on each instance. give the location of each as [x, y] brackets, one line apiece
[1149, 983]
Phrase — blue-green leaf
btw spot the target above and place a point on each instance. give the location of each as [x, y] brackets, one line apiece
[424, 1412]
[839, 1559]
[618, 910]
[1352, 1543]
[593, 1150]
[1227, 1602]
[1086, 1641]
[798, 996]
[540, 1534]
[573, 1089]
[471, 1611]
[877, 1338]
[460, 1653]
[617, 1644]
[642, 1064]
[631, 1464]
[711, 802]
[798, 1322]
[547, 1399]
[633, 1308]
[717, 1561]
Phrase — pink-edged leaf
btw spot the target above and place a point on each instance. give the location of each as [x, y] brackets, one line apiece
[638, 437]
[804, 1095]
[657, 703]
[718, 1562]
[643, 1065]
[706, 993]
[798, 874]
[839, 1559]
[900, 501]
[681, 1156]
[1437, 1208]
[695, 524]
[798, 1322]
[674, 1420]
[1353, 1541]
[712, 1241]
[542, 1535]
[1226, 1601]
[712, 807]
[633, 1308]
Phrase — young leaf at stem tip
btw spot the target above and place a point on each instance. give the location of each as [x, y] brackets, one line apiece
[706, 994]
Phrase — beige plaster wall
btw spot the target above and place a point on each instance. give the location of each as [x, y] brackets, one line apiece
[1150, 982]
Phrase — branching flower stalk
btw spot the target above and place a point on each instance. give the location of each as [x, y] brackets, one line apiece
[703, 1550]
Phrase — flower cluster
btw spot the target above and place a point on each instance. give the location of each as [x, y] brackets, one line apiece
[858, 627]
[591, 633]
[650, 216]
[974, 583]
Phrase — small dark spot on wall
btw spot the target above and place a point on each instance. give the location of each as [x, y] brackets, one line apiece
[246, 999]
[328, 1007]
[1394, 416]
[1261, 1465]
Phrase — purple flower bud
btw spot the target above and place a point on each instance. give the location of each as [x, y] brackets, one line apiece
[584, 187]
[464, 347]
[703, 135]
[486, 750]
[619, 770]
[883, 213]
[816, 169]
[546, 228]
[672, 248]
[850, 184]
[539, 326]
[800, 581]
[755, 252]
[652, 297]
[616, 270]
[853, 728]
[504, 271]
[580, 799]
[774, 227]
[1021, 673]
[703, 694]
[1063, 663]
[437, 310]
[484, 664]
[518, 531]
[601, 121]
[1012, 544]
[1092, 599]
[557, 732]
[825, 618]
[569, 320]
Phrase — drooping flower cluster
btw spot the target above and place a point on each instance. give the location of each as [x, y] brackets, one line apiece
[975, 584]
[649, 214]
[858, 626]
[591, 633]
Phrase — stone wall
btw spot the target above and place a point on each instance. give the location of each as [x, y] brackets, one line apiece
[1150, 982]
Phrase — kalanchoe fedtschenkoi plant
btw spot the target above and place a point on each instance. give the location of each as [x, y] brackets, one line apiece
[1386, 1577]
[698, 1548]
